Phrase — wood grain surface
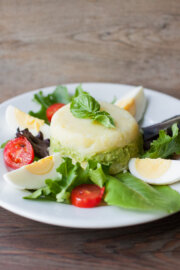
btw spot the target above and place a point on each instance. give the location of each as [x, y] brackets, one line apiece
[45, 43]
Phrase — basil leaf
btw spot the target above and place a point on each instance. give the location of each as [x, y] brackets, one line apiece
[85, 106]
[104, 118]
[79, 91]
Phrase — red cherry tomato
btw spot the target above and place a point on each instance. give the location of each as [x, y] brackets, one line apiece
[52, 109]
[87, 195]
[18, 152]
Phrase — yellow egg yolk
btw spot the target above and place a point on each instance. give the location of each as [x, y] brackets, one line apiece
[26, 121]
[41, 167]
[128, 105]
[152, 168]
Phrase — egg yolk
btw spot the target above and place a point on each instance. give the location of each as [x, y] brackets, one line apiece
[41, 167]
[27, 121]
[128, 105]
[152, 168]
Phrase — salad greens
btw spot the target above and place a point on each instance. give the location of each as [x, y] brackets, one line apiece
[165, 145]
[69, 176]
[131, 192]
[85, 106]
[39, 144]
[4, 144]
[60, 95]
[97, 175]
[82, 105]
[114, 100]
[123, 190]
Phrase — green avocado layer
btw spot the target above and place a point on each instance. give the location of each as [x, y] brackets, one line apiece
[118, 158]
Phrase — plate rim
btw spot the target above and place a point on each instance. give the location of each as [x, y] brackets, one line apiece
[71, 84]
[93, 227]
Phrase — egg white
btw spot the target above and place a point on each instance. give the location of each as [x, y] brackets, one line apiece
[172, 175]
[22, 178]
[138, 97]
[13, 123]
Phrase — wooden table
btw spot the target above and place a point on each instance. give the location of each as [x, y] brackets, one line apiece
[45, 43]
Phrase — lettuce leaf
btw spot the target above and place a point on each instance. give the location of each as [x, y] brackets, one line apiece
[118, 194]
[165, 145]
[123, 190]
[114, 100]
[60, 95]
[130, 192]
[39, 144]
[68, 177]
[97, 175]
[4, 144]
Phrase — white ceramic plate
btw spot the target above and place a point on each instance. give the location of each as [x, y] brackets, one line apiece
[160, 107]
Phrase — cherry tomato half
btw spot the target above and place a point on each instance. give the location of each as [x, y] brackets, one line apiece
[52, 109]
[18, 152]
[87, 195]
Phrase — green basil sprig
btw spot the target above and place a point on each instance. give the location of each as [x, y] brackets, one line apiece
[85, 106]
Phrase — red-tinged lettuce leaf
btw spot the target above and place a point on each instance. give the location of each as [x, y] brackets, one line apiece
[38, 143]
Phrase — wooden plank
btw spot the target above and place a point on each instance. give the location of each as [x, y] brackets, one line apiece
[26, 244]
[44, 43]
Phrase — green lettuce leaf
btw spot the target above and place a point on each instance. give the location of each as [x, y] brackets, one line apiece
[170, 198]
[123, 190]
[97, 176]
[68, 177]
[42, 194]
[114, 100]
[163, 197]
[69, 174]
[118, 194]
[165, 145]
[130, 192]
[4, 144]
[60, 95]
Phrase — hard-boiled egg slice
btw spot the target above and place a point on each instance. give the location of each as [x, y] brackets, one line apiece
[134, 102]
[33, 176]
[155, 171]
[15, 118]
